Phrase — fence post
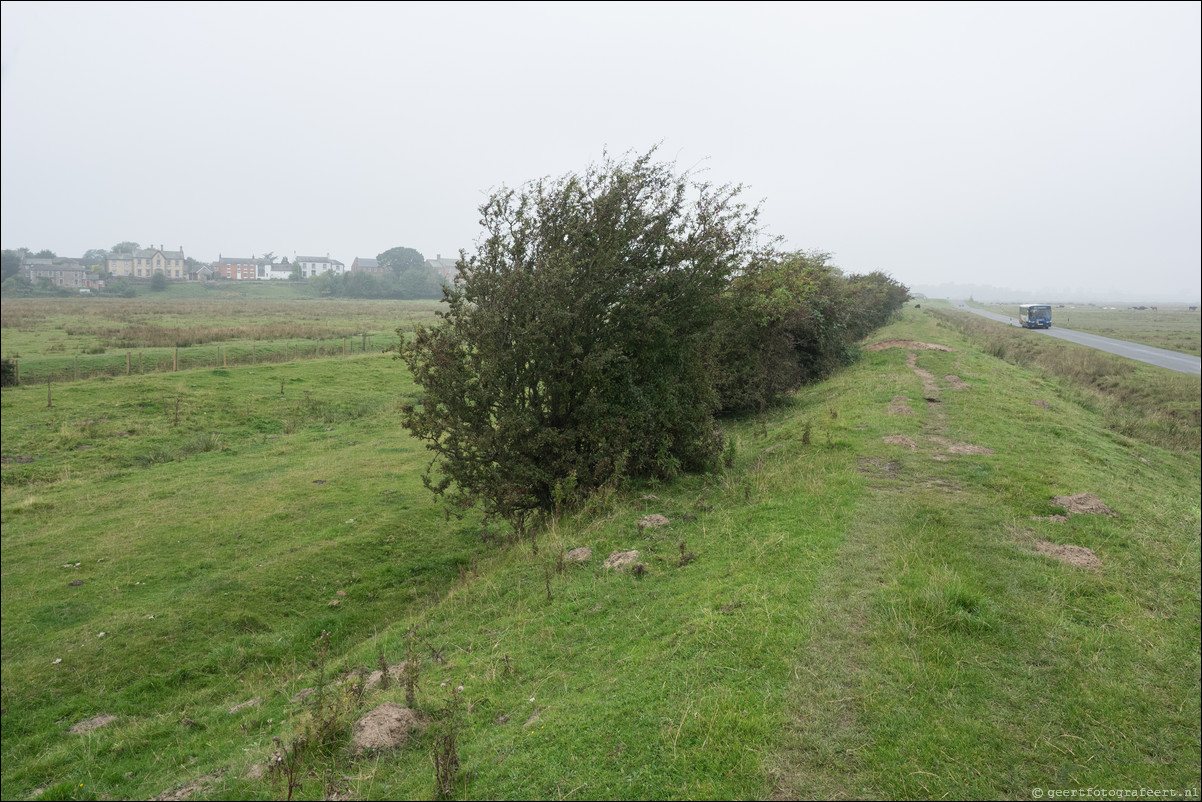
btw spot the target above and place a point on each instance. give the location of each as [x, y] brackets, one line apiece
[127, 362]
[139, 363]
[17, 371]
[175, 360]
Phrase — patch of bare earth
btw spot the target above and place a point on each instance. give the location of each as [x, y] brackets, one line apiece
[578, 555]
[1041, 403]
[900, 440]
[930, 388]
[620, 560]
[1084, 504]
[955, 381]
[388, 726]
[89, 724]
[898, 406]
[1073, 555]
[960, 448]
[396, 673]
[912, 345]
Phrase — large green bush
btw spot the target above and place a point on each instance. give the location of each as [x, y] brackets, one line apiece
[577, 346]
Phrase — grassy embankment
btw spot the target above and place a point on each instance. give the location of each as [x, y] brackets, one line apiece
[861, 617]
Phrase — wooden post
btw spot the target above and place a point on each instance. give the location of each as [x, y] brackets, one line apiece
[365, 342]
[175, 360]
[224, 352]
[77, 367]
[127, 362]
[344, 346]
[281, 386]
[48, 402]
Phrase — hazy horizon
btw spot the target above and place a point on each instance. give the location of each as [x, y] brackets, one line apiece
[1026, 145]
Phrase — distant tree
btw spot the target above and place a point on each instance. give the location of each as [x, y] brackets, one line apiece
[10, 264]
[421, 282]
[126, 247]
[46, 254]
[8, 373]
[270, 257]
[400, 260]
[95, 256]
[16, 285]
[158, 282]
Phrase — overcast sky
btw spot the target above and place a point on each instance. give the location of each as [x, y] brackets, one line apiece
[1036, 146]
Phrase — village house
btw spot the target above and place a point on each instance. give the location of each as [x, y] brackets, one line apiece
[445, 268]
[316, 265]
[62, 273]
[369, 266]
[242, 269]
[145, 262]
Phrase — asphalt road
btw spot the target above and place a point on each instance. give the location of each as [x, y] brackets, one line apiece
[1182, 363]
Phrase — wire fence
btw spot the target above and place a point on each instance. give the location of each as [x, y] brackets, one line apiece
[83, 367]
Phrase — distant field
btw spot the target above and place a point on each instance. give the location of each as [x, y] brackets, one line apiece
[1173, 327]
[63, 339]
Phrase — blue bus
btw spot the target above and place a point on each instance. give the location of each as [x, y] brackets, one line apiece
[1035, 316]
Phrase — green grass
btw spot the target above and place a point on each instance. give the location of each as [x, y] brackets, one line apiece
[80, 338]
[861, 619]
[1173, 327]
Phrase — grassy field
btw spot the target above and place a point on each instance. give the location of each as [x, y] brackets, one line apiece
[79, 338]
[860, 606]
[1173, 327]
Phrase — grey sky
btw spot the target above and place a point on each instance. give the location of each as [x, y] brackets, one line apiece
[1033, 146]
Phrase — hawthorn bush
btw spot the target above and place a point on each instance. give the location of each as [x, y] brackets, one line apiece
[792, 319]
[577, 347]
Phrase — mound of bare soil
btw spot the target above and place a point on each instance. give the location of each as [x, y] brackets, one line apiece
[1084, 504]
[1073, 555]
[619, 560]
[911, 344]
[388, 726]
[578, 555]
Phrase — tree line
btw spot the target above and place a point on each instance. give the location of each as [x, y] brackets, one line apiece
[603, 323]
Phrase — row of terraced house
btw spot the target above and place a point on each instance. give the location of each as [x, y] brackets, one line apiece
[146, 262]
